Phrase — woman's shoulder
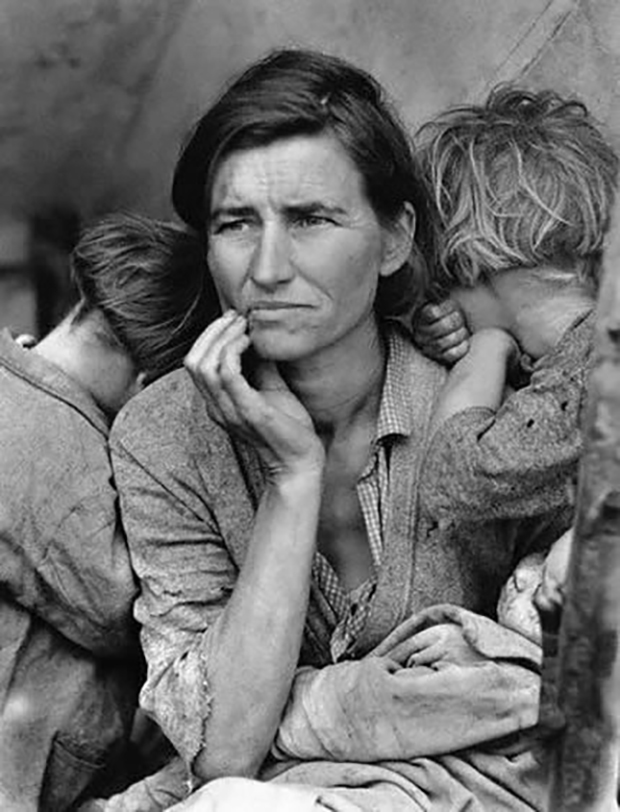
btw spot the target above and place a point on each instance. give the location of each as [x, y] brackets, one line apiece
[415, 372]
[167, 434]
[161, 402]
[168, 412]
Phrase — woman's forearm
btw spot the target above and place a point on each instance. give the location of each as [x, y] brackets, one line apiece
[255, 645]
[379, 708]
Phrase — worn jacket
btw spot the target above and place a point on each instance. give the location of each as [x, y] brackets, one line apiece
[69, 662]
[521, 459]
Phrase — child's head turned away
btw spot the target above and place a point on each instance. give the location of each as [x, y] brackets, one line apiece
[523, 181]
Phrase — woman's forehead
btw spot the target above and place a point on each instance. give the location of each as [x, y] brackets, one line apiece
[289, 171]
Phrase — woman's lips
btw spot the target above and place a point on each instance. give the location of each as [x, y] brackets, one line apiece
[272, 311]
[275, 306]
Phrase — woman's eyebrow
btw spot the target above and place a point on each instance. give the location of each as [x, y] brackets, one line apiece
[314, 207]
[290, 210]
[230, 211]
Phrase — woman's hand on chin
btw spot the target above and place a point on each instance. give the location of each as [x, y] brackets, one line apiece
[269, 416]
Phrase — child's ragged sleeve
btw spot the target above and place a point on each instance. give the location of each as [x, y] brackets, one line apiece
[520, 461]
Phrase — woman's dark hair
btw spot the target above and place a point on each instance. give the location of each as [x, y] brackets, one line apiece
[149, 282]
[299, 92]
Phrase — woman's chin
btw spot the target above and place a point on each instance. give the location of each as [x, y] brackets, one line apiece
[274, 346]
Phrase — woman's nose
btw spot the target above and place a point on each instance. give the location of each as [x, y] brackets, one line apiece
[271, 261]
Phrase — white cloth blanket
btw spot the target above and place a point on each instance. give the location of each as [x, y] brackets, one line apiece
[382, 734]
[382, 707]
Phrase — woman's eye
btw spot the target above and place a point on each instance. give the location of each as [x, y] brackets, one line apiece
[229, 226]
[310, 220]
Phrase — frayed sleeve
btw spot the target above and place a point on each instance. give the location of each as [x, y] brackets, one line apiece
[520, 461]
[186, 576]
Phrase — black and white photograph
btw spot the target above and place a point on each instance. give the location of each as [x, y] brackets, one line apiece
[309, 406]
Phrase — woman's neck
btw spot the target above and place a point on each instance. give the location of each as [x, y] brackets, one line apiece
[342, 385]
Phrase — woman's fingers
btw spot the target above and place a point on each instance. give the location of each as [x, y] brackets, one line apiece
[275, 419]
[205, 355]
[428, 656]
[425, 647]
[224, 337]
[208, 338]
[414, 644]
[204, 359]
[444, 642]
[227, 376]
[266, 411]
[230, 354]
[248, 405]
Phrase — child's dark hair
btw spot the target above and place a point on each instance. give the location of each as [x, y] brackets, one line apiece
[526, 179]
[148, 280]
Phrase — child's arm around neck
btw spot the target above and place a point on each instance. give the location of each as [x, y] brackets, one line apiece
[479, 378]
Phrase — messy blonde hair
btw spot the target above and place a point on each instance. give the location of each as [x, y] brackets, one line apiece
[526, 179]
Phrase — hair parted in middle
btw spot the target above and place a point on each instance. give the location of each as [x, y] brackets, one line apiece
[148, 281]
[304, 92]
[526, 179]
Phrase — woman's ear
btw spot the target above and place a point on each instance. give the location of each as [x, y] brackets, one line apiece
[398, 241]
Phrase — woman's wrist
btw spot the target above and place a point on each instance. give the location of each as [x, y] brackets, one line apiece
[303, 476]
[293, 499]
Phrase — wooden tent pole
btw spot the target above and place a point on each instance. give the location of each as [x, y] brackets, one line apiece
[585, 768]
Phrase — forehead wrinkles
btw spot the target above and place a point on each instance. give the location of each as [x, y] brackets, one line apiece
[288, 173]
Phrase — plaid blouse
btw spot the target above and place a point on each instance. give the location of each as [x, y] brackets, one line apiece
[350, 609]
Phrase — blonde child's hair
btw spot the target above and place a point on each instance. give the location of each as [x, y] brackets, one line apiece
[525, 180]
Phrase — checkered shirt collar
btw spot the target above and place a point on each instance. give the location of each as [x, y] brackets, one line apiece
[395, 414]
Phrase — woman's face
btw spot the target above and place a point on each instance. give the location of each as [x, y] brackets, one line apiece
[295, 245]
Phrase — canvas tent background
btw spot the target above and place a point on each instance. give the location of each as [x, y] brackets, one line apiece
[96, 95]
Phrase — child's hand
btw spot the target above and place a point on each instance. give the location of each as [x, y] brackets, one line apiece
[550, 595]
[516, 609]
[441, 333]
